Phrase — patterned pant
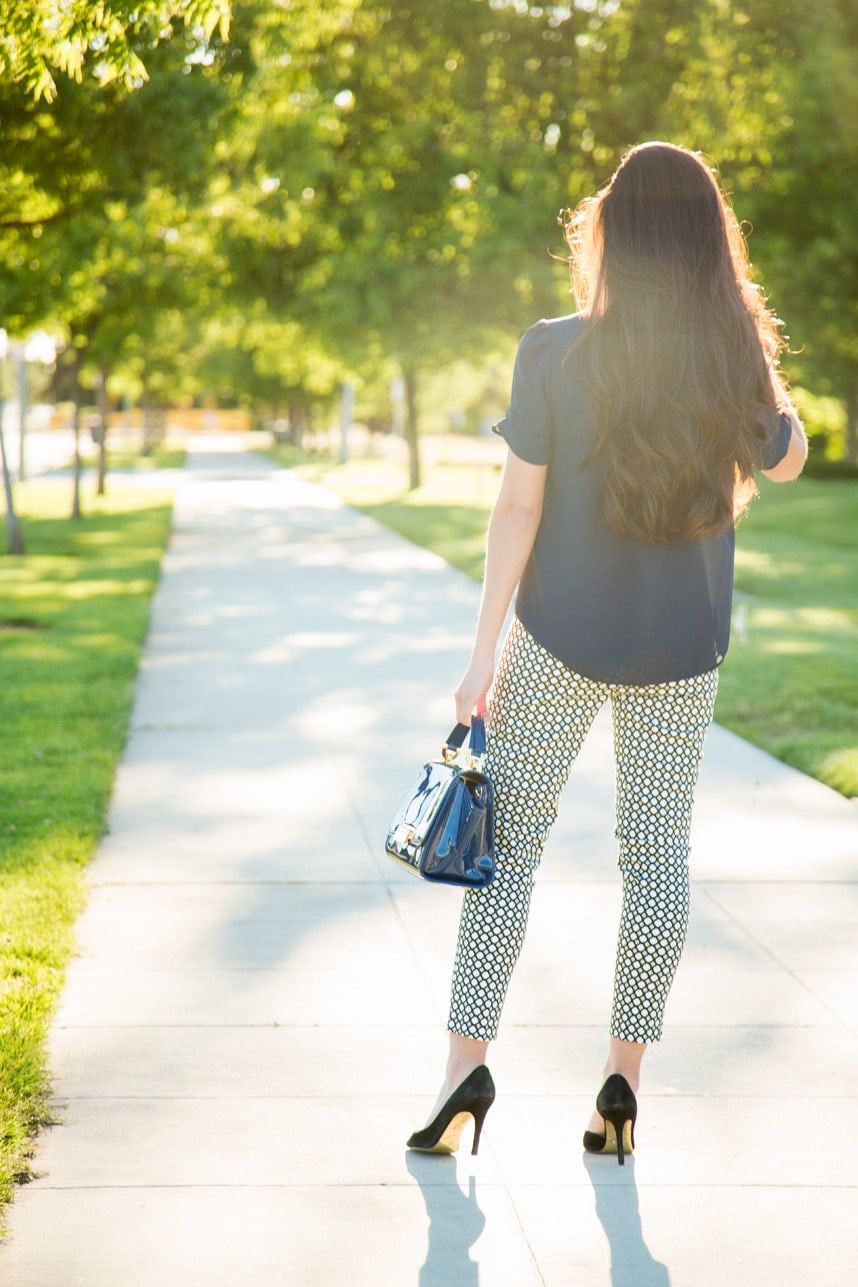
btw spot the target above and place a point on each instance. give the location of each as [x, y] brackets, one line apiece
[539, 716]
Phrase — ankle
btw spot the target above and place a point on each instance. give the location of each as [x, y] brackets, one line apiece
[464, 1055]
[631, 1075]
[625, 1058]
[458, 1070]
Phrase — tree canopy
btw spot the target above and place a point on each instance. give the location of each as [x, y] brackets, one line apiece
[44, 39]
[291, 192]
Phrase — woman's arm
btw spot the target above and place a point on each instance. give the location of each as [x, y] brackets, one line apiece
[512, 530]
[789, 468]
[792, 463]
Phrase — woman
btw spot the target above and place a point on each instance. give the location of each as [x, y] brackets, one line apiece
[635, 428]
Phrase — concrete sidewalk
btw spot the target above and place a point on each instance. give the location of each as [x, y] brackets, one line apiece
[255, 1021]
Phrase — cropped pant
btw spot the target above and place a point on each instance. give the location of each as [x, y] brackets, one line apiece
[539, 716]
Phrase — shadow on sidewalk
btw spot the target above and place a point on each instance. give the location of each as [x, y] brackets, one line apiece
[455, 1222]
[618, 1209]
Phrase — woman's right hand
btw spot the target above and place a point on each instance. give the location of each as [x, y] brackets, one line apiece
[472, 692]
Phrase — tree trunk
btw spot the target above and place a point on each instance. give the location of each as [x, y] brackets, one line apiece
[148, 445]
[409, 376]
[101, 394]
[296, 425]
[22, 415]
[13, 527]
[852, 426]
[76, 510]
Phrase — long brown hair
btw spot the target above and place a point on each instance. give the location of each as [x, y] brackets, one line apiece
[679, 348]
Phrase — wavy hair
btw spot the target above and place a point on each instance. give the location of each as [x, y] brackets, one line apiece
[679, 350]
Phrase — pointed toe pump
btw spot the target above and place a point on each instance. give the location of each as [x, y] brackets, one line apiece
[474, 1097]
[617, 1104]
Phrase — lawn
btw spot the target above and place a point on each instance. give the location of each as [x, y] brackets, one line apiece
[790, 682]
[73, 616]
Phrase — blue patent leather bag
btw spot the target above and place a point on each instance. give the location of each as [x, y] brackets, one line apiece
[444, 828]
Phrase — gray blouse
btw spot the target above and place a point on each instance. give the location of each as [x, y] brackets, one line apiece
[614, 608]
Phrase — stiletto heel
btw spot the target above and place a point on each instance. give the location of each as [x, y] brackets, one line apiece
[479, 1115]
[473, 1098]
[617, 1104]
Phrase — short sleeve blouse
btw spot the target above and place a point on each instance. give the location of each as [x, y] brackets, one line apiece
[614, 608]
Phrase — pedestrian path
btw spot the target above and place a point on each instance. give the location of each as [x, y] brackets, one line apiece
[254, 1023]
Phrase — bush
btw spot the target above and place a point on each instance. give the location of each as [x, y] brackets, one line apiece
[825, 423]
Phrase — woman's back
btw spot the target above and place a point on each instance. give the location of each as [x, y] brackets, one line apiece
[610, 605]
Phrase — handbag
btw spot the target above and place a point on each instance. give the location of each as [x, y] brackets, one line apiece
[444, 828]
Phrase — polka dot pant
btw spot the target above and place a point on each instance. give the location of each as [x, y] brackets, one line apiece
[539, 716]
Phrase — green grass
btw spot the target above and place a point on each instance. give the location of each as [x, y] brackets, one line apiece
[128, 458]
[162, 457]
[73, 616]
[790, 681]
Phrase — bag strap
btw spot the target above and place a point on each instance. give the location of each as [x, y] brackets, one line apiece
[477, 733]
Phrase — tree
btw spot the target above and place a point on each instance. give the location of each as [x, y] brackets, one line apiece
[42, 39]
[13, 527]
[345, 186]
[808, 239]
[99, 237]
[387, 143]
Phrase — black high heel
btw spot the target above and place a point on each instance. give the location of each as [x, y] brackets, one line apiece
[473, 1098]
[617, 1104]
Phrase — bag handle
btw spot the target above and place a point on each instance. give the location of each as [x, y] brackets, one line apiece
[456, 740]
